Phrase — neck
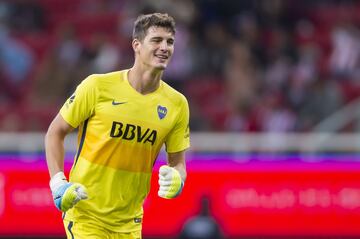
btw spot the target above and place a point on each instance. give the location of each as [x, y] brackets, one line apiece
[144, 81]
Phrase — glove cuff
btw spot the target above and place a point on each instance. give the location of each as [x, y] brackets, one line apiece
[57, 181]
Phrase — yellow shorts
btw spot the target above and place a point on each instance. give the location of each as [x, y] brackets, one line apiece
[78, 230]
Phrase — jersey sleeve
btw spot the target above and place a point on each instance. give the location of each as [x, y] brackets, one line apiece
[81, 105]
[179, 137]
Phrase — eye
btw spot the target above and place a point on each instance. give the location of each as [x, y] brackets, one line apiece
[157, 40]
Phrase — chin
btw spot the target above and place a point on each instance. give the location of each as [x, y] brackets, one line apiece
[160, 66]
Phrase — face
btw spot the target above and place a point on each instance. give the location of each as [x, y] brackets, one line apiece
[156, 48]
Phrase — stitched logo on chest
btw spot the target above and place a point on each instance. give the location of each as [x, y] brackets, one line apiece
[118, 103]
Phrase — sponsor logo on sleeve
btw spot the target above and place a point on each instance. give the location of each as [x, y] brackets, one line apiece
[72, 98]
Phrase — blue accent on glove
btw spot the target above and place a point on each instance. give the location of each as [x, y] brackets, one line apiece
[180, 189]
[59, 194]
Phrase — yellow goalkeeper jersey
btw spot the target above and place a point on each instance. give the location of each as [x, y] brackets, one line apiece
[120, 135]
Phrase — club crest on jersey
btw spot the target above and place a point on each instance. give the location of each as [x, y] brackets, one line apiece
[161, 111]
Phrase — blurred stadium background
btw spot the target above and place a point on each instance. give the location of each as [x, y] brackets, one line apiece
[273, 87]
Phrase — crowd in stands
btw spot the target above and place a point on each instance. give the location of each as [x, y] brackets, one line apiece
[245, 66]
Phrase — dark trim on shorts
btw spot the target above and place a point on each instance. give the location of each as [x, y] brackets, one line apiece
[81, 144]
[71, 223]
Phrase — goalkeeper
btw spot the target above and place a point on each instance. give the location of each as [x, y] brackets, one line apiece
[123, 119]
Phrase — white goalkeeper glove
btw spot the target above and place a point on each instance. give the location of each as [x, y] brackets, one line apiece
[66, 194]
[170, 182]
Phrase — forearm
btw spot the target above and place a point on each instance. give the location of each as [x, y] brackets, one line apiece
[54, 144]
[54, 149]
[177, 161]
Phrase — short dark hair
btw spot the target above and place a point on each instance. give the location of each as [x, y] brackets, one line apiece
[144, 22]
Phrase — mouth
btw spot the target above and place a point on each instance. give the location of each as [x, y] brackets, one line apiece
[162, 57]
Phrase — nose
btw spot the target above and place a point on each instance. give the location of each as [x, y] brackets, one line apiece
[164, 46]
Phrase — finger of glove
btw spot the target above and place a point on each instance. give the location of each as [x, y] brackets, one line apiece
[167, 177]
[164, 170]
[164, 188]
[162, 193]
[163, 182]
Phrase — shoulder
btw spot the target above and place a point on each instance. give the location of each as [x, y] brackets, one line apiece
[105, 78]
[103, 81]
[173, 95]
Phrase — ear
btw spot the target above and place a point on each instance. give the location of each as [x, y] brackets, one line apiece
[136, 45]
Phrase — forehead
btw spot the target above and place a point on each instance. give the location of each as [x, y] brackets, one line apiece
[155, 31]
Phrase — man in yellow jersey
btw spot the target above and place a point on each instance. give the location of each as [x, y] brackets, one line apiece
[124, 118]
